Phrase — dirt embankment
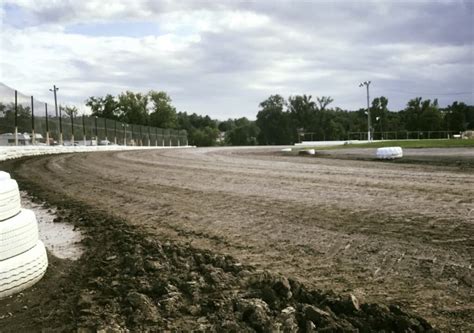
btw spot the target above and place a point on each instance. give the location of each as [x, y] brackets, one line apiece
[167, 232]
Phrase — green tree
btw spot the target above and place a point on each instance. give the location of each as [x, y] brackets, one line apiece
[243, 133]
[202, 131]
[104, 107]
[7, 122]
[422, 115]
[226, 125]
[457, 117]
[70, 110]
[324, 101]
[378, 113]
[276, 125]
[133, 108]
[302, 110]
[163, 113]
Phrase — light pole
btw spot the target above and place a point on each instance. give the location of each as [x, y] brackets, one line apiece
[367, 84]
[55, 99]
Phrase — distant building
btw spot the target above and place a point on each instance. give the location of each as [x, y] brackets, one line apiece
[8, 139]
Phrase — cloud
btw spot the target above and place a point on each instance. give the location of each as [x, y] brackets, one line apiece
[224, 58]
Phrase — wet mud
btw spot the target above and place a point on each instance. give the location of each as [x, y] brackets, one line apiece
[153, 261]
[60, 237]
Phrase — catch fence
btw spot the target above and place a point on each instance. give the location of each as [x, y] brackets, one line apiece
[25, 120]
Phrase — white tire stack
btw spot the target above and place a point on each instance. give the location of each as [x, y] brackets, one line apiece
[389, 153]
[23, 259]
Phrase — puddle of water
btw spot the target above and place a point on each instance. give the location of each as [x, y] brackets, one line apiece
[59, 238]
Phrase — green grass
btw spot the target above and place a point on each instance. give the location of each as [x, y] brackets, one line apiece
[428, 143]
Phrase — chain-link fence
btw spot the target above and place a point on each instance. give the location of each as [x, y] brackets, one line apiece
[25, 121]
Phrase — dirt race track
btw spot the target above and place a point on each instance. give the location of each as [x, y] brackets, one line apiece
[384, 232]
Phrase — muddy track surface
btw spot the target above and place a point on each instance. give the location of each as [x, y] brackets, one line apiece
[373, 232]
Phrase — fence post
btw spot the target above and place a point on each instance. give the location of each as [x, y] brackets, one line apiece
[33, 139]
[156, 136]
[124, 135]
[47, 125]
[140, 142]
[115, 132]
[72, 128]
[84, 130]
[149, 141]
[16, 118]
[61, 142]
[105, 127]
[96, 133]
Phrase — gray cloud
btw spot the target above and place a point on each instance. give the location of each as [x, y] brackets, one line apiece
[223, 59]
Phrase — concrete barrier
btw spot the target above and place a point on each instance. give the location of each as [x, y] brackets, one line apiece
[11, 152]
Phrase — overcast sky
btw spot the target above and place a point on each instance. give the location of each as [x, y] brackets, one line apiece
[224, 59]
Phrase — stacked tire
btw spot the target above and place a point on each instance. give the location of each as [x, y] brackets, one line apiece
[23, 259]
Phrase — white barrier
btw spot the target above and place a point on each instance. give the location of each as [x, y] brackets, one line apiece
[23, 259]
[10, 152]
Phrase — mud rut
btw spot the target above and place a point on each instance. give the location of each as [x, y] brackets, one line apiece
[383, 232]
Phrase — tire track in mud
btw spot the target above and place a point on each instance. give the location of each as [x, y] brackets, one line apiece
[384, 237]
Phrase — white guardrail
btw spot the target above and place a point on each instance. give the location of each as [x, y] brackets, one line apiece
[10, 152]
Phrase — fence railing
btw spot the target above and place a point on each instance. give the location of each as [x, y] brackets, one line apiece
[403, 135]
[27, 121]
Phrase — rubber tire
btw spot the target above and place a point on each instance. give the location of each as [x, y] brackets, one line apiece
[18, 234]
[22, 271]
[10, 203]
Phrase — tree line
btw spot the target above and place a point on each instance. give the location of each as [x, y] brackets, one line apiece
[279, 120]
[155, 109]
[286, 121]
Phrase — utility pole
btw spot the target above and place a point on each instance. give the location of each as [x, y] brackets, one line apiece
[367, 84]
[56, 106]
[55, 99]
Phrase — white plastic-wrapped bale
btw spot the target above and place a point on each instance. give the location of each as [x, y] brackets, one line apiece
[307, 152]
[388, 153]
